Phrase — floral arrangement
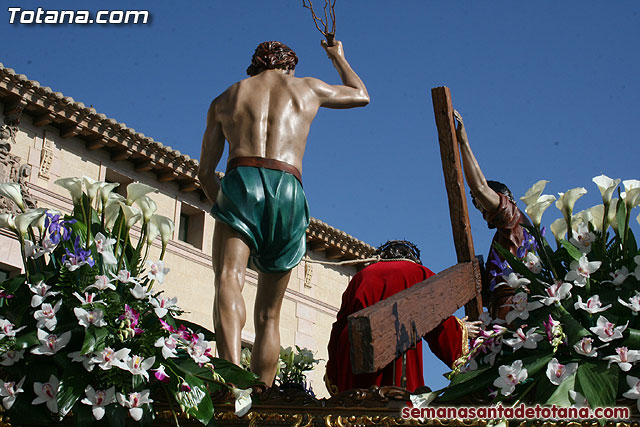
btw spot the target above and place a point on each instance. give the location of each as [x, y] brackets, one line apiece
[293, 365]
[85, 328]
[572, 336]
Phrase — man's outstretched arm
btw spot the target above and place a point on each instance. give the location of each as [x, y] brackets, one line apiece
[484, 195]
[352, 92]
[212, 149]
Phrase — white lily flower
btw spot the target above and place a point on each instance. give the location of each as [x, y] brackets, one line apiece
[50, 344]
[11, 357]
[581, 270]
[169, 345]
[166, 227]
[147, 206]
[46, 316]
[624, 357]
[510, 377]
[536, 209]
[606, 186]
[521, 307]
[532, 195]
[11, 190]
[32, 251]
[47, 393]
[557, 372]
[111, 213]
[619, 275]
[157, 271]
[105, 192]
[88, 318]
[567, 200]
[124, 276]
[8, 220]
[131, 215]
[98, 399]
[583, 238]
[102, 283]
[163, 305]
[579, 401]
[634, 392]
[559, 228]
[134, 402]
[108, 358]
[611, 214]
[585, 347]
[633, 304]
[555, 293]
[41, 291]
[87, 360]
[606, 330]
[24, 221]
[631, 194]
[73, 185]
[104, 246]
[140, 292]
[592, 305]
[9, 390]
[152, 232]
[93, 187]
[515, 281]
[243, 401]
[198, 349]
[528, 340]
[138, 365]
[135, 190]
[88, 298]
[533, 263]
[597, 215]
[7, 329]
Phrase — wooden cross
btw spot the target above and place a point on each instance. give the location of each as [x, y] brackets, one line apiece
[384, 331]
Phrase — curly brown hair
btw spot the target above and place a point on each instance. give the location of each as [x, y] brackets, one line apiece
[272, 55]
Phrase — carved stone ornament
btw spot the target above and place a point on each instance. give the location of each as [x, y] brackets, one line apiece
[46, 157]
[10, 168]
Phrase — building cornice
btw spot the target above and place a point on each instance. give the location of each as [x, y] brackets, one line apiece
[99, 132]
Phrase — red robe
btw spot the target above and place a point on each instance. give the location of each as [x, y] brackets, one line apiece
[371, 285]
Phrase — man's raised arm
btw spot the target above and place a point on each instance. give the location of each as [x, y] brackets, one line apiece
[352, 92]
[212, 149]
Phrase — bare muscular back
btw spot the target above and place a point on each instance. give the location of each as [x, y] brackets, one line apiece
[268, 115]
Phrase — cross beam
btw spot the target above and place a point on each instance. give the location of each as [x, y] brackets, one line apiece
[384, 331]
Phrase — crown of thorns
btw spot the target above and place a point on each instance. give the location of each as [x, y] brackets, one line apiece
[393, 249]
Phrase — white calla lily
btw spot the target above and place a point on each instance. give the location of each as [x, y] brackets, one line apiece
[606, 186]
[111, 213]
[597, 216]
[135, 190]
[11, 190]
[105, 191]
[147, 206]
[152, 232]
[559, 228]
[93, 187]
[8, 220]
[567, 200]
[631, 193]
[535, 210]
[243, 401]
[166, 227]
[131, 215]
[24, 221]
[73, 185]
[533, 194]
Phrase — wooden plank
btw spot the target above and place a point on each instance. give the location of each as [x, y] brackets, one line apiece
[43, 119]
[334, 253]
[144, 166]
[189, 186]
[118, 155]
[454, 183]
[382, 332]
[69, 132]
[453, 179]
[317, 245]
[166, 177]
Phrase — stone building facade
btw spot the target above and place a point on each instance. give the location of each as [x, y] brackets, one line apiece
[45, 136]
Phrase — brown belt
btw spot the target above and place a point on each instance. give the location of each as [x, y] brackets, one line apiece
[263, 162]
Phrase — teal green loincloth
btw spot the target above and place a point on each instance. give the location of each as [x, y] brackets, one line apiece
[269, 208]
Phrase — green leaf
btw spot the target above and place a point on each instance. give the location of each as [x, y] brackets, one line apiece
[83, 417]
[632, 339]
[467, 376]
[94, 340]
[72, 385]
[234, 374]
[621, 216]
[27, 340]
[116, 415]
[560, 396]
[597, 383]
[12, 285]
[196, 402]
[573, 328]
[571, 250]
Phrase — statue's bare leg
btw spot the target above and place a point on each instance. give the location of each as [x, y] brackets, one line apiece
[266, 348]
[230, 256]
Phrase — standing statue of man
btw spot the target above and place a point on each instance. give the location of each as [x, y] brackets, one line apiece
[260, 208]
[499, 209]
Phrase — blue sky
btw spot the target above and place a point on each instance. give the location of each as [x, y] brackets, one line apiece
[549, 90]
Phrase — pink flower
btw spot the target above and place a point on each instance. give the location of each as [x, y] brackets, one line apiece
[557, 372]
[161, 375]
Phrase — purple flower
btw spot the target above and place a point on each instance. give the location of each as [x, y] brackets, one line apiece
[529, 241]
[56, 228]
[132, 317]
[4, 294]
[77, 258]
